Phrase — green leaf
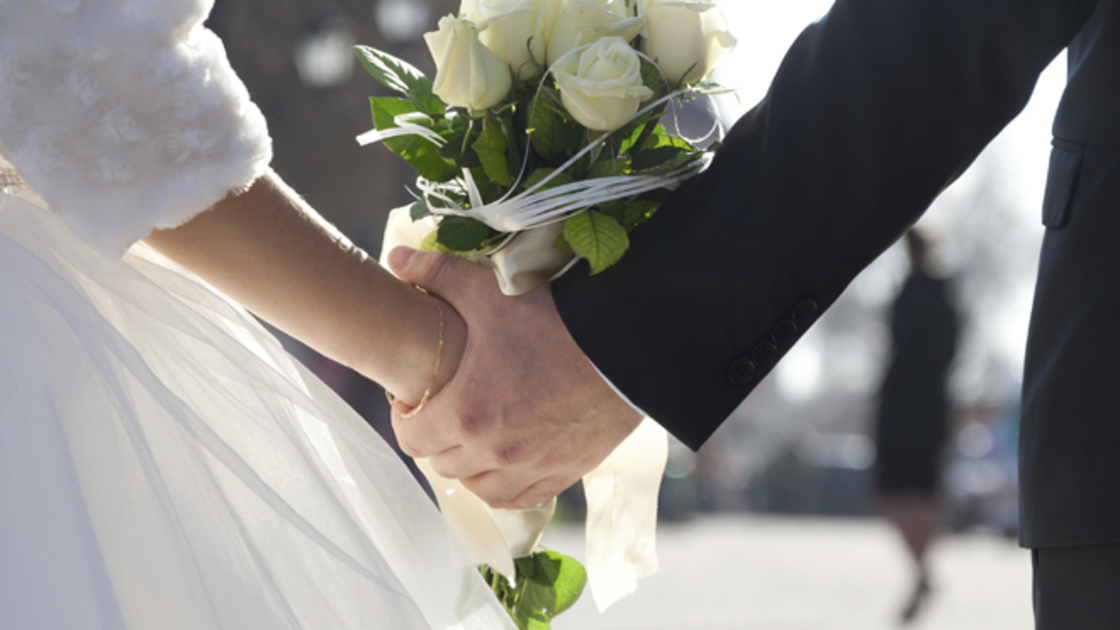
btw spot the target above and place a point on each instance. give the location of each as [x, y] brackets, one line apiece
[635, 213]
[419, 210]
[462, 234]
[429, 242]
[491, 150]
[459, 151]
[384, 109]
[652, 158]
[421, 154]
[630, 214]
[597, 237]
[550, 135]
[553, 583]
[636, 133]
[514, 136]
[401, 76]
[541, 173]
[610, 166]
[562, 246]
[651, 78]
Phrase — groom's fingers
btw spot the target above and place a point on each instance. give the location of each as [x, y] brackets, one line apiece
[497, 487]
[458, 462]
[509, 489]
[537, 493]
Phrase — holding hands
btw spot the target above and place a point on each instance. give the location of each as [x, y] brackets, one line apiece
[526, 414]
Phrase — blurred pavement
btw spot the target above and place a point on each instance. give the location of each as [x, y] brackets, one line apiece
[765, 573]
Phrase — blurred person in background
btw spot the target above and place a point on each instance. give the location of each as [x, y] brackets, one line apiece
[913, 413]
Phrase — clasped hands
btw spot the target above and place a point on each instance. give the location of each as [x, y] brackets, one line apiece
[525, 415]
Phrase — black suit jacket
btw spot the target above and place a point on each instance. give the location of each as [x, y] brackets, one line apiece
[873, 112]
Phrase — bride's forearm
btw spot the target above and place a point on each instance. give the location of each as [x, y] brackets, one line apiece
[272, 253]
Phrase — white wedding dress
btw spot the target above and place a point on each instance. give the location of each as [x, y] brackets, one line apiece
[164, 464]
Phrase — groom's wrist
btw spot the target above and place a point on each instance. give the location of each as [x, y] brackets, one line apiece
[617, 391]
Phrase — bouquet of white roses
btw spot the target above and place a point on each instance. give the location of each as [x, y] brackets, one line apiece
[540, 143]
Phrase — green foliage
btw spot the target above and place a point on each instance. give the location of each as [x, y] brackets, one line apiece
[462, 234]
[419, 210]
[609, 166]
[420, 153]
[631, 214]
[399, 75]
[652, 158]
[651, 78]
[651, 148]
[536, 176]
[491, 150]
[547, 584]
[599, 238]
[459, 151]
[563, 247]
[551, 134]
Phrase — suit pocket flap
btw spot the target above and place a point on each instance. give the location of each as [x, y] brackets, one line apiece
[1065, 162]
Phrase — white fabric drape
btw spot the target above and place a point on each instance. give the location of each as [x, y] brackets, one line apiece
[165, 464]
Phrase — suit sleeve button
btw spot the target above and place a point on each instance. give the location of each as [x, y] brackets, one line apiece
[765, 353]
[784, 331]
[741, 371]
[805, 311]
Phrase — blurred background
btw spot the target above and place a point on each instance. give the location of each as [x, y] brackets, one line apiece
[771, 524]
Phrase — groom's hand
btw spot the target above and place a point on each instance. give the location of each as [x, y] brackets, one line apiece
[526, 414]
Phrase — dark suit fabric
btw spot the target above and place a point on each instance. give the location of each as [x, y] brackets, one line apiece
[874, 110]
[1075, 588]
[913, 410]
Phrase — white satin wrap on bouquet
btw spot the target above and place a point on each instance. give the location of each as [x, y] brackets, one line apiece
[621, 493]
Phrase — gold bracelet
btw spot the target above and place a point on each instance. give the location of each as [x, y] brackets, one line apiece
[435, 371]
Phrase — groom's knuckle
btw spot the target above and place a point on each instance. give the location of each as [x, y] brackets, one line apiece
[509, 453]
[470, 422]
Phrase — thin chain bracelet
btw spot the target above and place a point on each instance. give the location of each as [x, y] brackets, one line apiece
[435, 371]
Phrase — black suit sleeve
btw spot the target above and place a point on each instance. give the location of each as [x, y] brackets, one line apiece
[874, 110]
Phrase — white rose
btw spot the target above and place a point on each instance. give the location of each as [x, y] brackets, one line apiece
[687, 38]
[601, 87]
[513, 29]
[579, 22]
[467, 73]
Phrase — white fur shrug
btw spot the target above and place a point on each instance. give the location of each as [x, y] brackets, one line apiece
[124, 115]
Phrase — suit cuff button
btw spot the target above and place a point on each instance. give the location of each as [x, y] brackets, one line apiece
[741, 371]
[805, 311]
[784, 331]
[765, 353]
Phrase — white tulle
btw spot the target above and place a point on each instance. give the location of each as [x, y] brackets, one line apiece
[164, 464]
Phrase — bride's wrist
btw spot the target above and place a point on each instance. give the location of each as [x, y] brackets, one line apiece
[430, 341]
[454, 345]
